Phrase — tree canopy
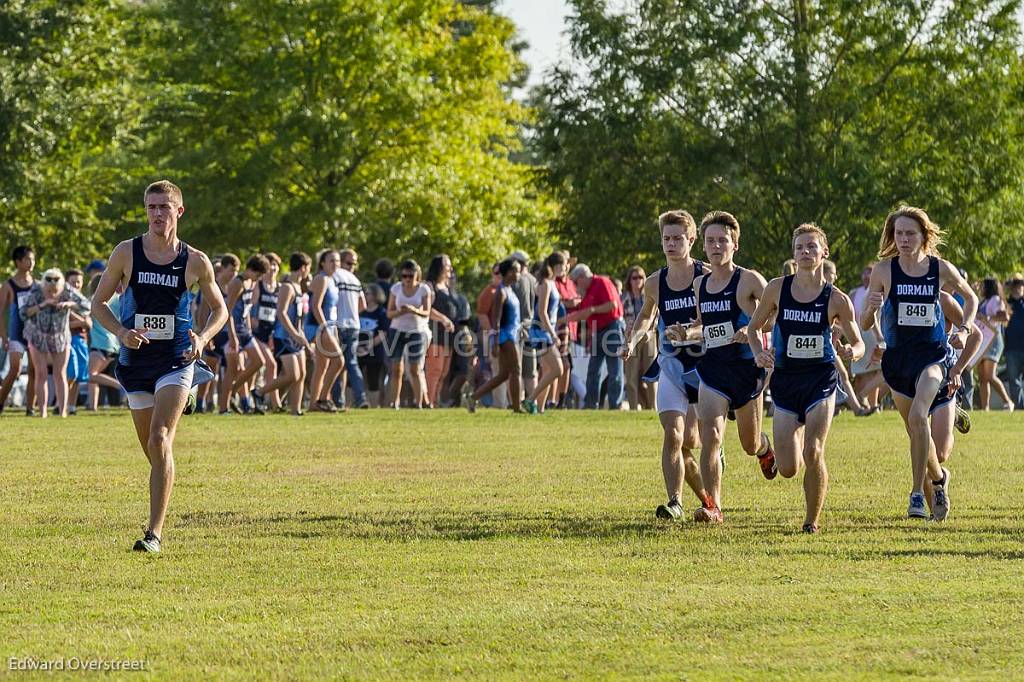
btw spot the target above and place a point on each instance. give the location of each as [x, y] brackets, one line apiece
[386, 125]
[783, 112]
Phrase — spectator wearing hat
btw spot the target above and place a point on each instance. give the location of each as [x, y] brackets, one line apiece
[1014, 351]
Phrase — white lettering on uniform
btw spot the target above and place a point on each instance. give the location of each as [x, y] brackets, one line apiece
[158, 279]
[801, 316]
[679, 303]
[915, 290]
[715, 306]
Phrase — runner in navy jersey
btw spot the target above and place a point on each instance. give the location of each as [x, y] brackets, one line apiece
[290, 344]
[159, 345]
[264, 317]
[668, 294]
[13, 295]
[225, 270]
[802, 356]
[729, 378]
[244, 357]
[905, 287]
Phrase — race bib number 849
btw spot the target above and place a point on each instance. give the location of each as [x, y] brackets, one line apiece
[161, 327]
[916, 315]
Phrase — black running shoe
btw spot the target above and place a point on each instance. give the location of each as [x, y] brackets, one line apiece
[149, 543]
[810, 528]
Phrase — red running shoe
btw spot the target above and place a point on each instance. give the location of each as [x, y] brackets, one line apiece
[767, 462]
[708, 515]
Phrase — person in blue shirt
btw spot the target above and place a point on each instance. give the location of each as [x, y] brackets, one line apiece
[1014, 334]
[802, 356]
[904, 289]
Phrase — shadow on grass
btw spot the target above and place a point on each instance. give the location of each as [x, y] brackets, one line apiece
[469, 525]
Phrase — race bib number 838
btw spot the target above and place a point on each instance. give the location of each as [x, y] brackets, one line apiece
[161, 327]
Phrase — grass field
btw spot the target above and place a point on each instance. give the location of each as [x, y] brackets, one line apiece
[440, 544]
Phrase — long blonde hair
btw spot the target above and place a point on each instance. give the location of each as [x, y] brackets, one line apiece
[932, 234]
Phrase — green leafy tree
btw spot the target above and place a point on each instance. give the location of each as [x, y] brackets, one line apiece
[387, 126]
[68, 118]
[833, 111]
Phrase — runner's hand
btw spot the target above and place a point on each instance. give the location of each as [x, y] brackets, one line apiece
[958, 338]
[877, 353]
[627, 351]
[196, 351]
[844, 351]
[233, 345]
[765, 359]
[955, 382]
[740, 336]
[875, 300]
[133, 338]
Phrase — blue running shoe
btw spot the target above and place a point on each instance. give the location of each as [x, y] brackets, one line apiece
[917, 509]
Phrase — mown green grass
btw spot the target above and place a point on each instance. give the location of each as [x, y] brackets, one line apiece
[440, 544]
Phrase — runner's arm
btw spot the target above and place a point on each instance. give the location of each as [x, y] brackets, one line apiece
[875, 299]
[841, 311]
[234, 293]
[643, 319]
[212, 300]
[763, 313]
[114, 274]
[5, 301]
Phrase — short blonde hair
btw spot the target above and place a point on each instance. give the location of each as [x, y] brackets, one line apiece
[810, 228]
[164, 187]
[726, 220]
[931, 234]
[681, 218]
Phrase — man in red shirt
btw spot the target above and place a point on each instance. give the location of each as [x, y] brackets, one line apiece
[601, 308]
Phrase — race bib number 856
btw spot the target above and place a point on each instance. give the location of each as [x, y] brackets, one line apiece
[161, 327]
[718, 335]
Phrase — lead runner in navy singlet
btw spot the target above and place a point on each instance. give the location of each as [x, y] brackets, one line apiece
[159, 346]
[668, 293]
[802, 360]
[729, 378]
[905, 287]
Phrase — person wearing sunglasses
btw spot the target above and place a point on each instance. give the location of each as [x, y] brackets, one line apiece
[46, 315]
[160, 341]
[639, 393]
[409, 308]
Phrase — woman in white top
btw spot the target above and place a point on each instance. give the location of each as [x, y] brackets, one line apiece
[992, 317]
[409, 309]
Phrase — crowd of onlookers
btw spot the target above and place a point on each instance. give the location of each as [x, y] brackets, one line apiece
[541, 334]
